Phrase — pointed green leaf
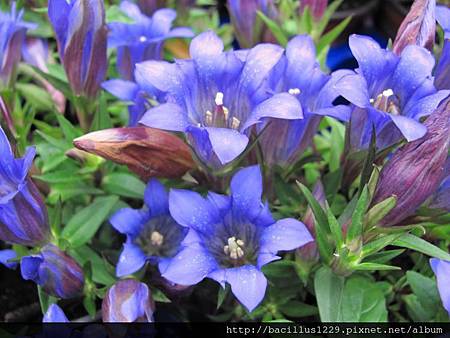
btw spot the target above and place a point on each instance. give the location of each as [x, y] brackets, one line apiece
[379, 211]
[418, 244]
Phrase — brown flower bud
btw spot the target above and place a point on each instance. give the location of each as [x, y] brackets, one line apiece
[146, 151]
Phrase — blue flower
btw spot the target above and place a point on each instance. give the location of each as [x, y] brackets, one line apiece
[143, 39]
[215, 97]
[82, 37]
[442, 271]
[57, 273]
[23, 216]
[128, 301]
[248, 28]
[388, 91]
[298, 73]
[442, 72]
[12, 34]
[55, 314]
[6, 256]
[152, 234]
[233, 237]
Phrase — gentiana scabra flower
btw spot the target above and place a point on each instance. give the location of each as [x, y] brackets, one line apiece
[56, 272]
[298, 73]
[216, 97]
[248, 28]
[441, 269]
[55, 314]
[143, 39]
[152, 234]
[390, 93]
[231, 237]
[416, 170]
[82, 40]
[128, 301]
[442, 72]
[23, 215]
[12, 34]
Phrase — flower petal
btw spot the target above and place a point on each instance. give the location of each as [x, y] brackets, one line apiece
[55, 314]
[353, 87]
[156, 75]
[29, 268]
[248, 284]
[128, 221]
[131, 260]
[442, 271]
[286, 234]
[5, 256]
[167, 116]
[227, 144]
[411, 129]
[206, 45]
[246, 190]
[123, 90]
[190, 266]
[156, 198]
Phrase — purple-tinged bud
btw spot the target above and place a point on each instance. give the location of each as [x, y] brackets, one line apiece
[249, 29]
[23, 215]
[56, 272]
[316, 7]
[416, 170]
[55, 314]
[418, 27]
[128, 301]
[442, 271]
[148, 7]
[13, 32]
[35, 53]
[82, 40]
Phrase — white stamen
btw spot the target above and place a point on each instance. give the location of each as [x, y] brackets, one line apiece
[234, 248]
[156, 238]
[219, 99]
[143, 38]
[294, 91]
[208, 117]
[226, 113]
[388, 92]
[235, 123]
[371, 100]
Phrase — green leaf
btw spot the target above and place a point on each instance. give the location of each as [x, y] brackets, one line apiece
[326, 40]
[89, 305]
[115, 14]
[336, 229]
[45, 300]
[425, 290]
[102, 119]
[370, 159]
[326, 17]
[85, 223]
[418, 244]
[328, 289]
[36, 96]
[221, 295]
[69, 131]
[378, 244]
[159, 296]
[370, 266]
[385, 256]
[298, 309]
[355, 229]
[363, 301]
[379, 211]
[274, 28]
[123, 184]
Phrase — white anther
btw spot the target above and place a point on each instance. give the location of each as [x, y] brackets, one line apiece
[208, 117]
[226, 113]
[388, 92]
[156, 238]
[294, 91]
[143, 38]
[233, 249]
[219, 99]
[371, 100]
[235, 123]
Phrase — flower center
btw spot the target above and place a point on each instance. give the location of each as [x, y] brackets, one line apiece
[142, 38]
[234, 249]
[387, 101]
[156, 238]
[220, 117]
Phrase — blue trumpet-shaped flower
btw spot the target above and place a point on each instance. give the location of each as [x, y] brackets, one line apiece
[82, 37]
[442, 72]
[12, 34]
[215, 97]
[442, 271]
[23, 216]
[298, 73]
[128, 301]
[152, 234]
[143, 39]
[57, 273]
[389, 92]
[233, 237]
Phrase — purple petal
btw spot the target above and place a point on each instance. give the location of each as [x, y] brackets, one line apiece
[131, 260]
[167, 116]
[123, 90]
[190, 266]
[442, 271]
[427, 105]
[443, 18]
[286, 234]
[246, 190]
[248, 284]
[353, 87]
[29, 268]
[180, 32]
[5, 256]
[55, 314]
[162, 21]
[206, 46]
[227, 144]
[160, 75]
[411, 129]
[156, 198]
[128, 221]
